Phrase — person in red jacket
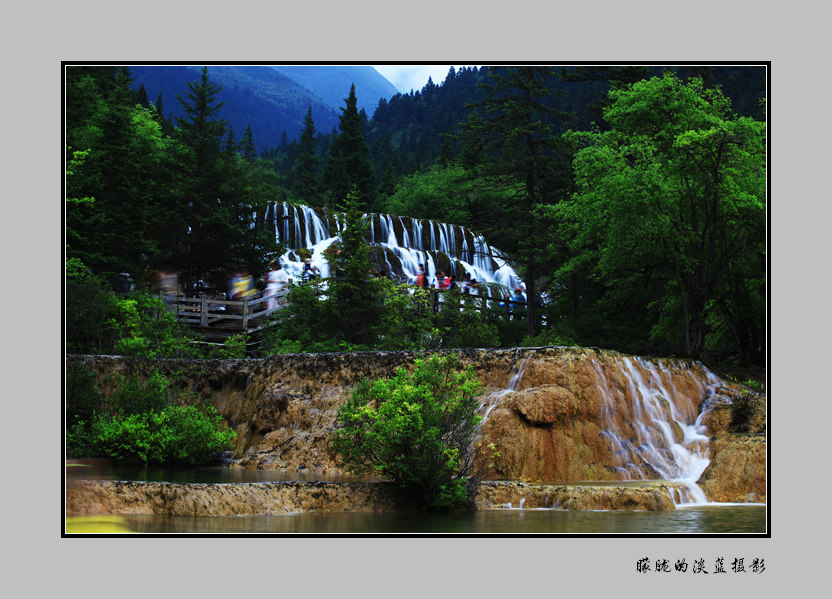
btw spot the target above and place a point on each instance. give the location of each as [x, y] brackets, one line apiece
[421, 279]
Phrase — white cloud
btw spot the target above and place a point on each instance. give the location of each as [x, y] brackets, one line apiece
[412, 76]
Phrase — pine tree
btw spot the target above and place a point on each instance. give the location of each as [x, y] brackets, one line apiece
[355, 293]
[305, 173]
[511, 147]
[348, 165]
[200, 133]
[247, 145]
[142, 97]
[123, 195]
[388, 182]
[123, 171]
[160, 107]
[230, 146]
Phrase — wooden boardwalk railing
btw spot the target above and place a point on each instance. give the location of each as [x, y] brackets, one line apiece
[221, 317]
[227, 316]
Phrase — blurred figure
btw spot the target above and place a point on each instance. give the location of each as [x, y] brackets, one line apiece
[276, 280]
[242, 285]
[168, 286]
[463, 285]
[97, 524]
[518, 295]
[310, 271]
[514, 308]
[421, 278]
[473, 287]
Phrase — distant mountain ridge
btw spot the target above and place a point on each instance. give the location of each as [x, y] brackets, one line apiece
[332, 83]
[273, 99]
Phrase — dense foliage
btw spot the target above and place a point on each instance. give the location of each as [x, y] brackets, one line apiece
[670, 215]
[414, 429]
[142, 421]
[630, 199]
[136, 323]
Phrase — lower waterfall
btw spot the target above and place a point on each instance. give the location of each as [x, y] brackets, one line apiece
[651, 418]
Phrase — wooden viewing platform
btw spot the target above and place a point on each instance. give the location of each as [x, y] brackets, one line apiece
[221, 318]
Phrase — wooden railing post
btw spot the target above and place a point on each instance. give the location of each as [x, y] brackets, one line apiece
[203, 312]
[245, 313]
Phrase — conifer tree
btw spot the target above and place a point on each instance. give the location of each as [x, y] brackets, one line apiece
[348, 165]
[124, 195]
[160, 107]
[356, 295]
[200, 133]
[511, 146]
[142, 97]
[247, 145]
[230, 146]
[305, 173]
[388, 181]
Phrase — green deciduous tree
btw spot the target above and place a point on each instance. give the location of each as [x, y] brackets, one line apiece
[672, 200]
[415, 430]
[438, 193]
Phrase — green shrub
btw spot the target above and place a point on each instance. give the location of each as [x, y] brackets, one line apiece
[141, 422]
[134, 395]
[178, 435]
[553, 336]
[234, 347]
[145, 328]
[461, 326]
[414, 430]
[79, 440]
[90, 311]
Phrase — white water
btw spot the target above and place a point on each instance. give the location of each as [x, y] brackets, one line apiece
[301, 227]
[493, 399]
[654, 452]
[649, 450]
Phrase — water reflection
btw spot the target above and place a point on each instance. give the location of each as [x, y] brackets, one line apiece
[695, 520]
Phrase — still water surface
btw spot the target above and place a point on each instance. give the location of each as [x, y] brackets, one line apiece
[713, 519]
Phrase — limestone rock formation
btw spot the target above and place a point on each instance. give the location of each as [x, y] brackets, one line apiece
[554, 414]
[737, 472]
[255, 499]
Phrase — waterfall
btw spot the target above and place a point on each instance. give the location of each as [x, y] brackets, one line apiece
[654, 431]
[649, 446]
[306, 228]
[515, 376]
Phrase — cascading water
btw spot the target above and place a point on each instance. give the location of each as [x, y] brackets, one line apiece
[654, 430]
[493, 399]
[663, 437]
[302, 227]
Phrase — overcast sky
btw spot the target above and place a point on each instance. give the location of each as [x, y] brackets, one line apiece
[413, 76]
